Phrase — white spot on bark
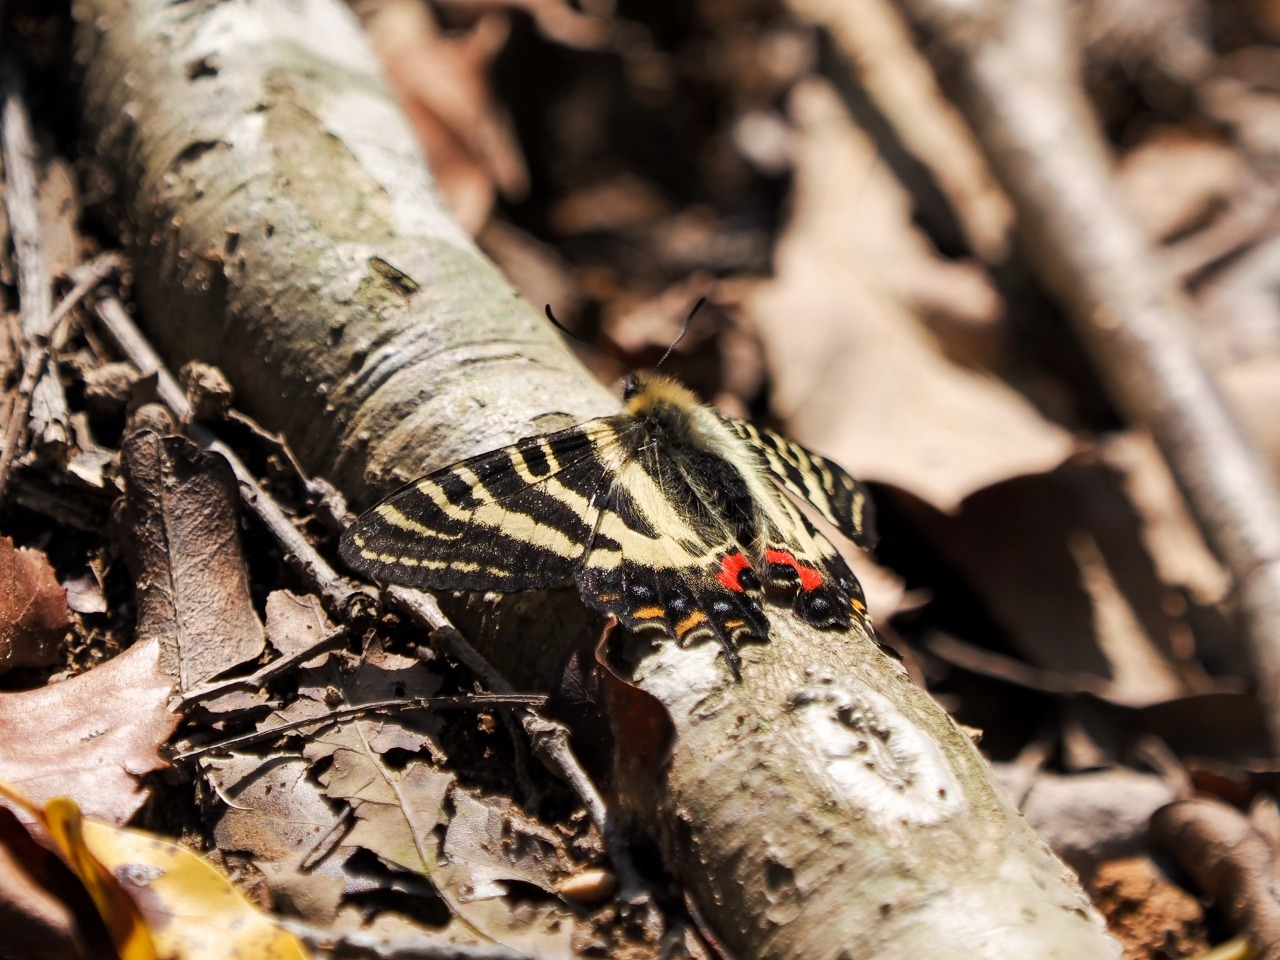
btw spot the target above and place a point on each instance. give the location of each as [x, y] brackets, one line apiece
[877, 761]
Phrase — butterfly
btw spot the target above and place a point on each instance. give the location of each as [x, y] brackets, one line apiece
[669, 516]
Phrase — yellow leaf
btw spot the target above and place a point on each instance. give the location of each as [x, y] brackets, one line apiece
[124, 922]
[157, 898]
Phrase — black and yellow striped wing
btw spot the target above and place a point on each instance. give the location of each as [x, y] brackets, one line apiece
[840, 499]
[593, 504]
[518, 518]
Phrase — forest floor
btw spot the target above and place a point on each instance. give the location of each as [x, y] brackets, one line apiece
[869, 293]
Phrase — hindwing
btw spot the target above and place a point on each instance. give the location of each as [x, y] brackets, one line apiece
[842, 501]
[660, 561]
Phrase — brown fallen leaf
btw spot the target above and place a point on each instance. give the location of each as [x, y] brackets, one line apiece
[296, 623]
[1253, 389]
[1057, 560]
[1176, 178]
[488, 844]
[33, 609]
[40, 912]
[556, 20]
[395, 806]
[91, 736]
[1233, 863]
[842, 319]
[396, 810]
[443, 84]
[1168, 532]
[278, 813]
[877, 43]
[1240, 314]
[179, 530]
[501, 844]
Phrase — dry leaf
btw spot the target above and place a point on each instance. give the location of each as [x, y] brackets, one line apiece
[489, 843]
[33, 609]
[443, 83]
[1253, 389]
[500, 844]
[180, 532]
[1176, 179]
[274, 810]
[1239, 309]
[1232, 862]
[85, 593]
[91, 736]
[1169, 534]
[876, 40]
[296, 623]
[157, 898]
[1057, 561]
[279, 814]
[556, 20]
[396, 810]
[42, 907]
[837, 323]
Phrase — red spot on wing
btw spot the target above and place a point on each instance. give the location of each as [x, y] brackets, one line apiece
[731, 568]
[810, 579]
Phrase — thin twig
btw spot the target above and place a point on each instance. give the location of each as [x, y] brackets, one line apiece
[328, 503]
[35, 287]
[259, 678]
[548, 737]
[474, 701]
[34, 284]
[38, 349]
[337, 594]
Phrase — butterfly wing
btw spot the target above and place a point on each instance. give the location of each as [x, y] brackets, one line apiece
[841, 500]
[517, 518]
[827, 594]
[661, 561]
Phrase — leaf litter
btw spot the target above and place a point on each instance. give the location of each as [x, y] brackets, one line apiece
[1041, 572]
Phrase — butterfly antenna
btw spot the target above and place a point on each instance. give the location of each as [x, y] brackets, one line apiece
[683, 330]
[566, 331]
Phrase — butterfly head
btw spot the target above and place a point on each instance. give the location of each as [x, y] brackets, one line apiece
[644, 394]
[631, 385]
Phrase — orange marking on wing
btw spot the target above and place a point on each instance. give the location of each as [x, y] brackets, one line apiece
[689, 622]
[650, 613]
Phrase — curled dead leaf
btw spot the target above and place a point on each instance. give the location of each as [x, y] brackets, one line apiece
[179, 526]
[1232, 862]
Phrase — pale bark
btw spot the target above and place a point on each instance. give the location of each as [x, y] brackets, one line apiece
[823, 807]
